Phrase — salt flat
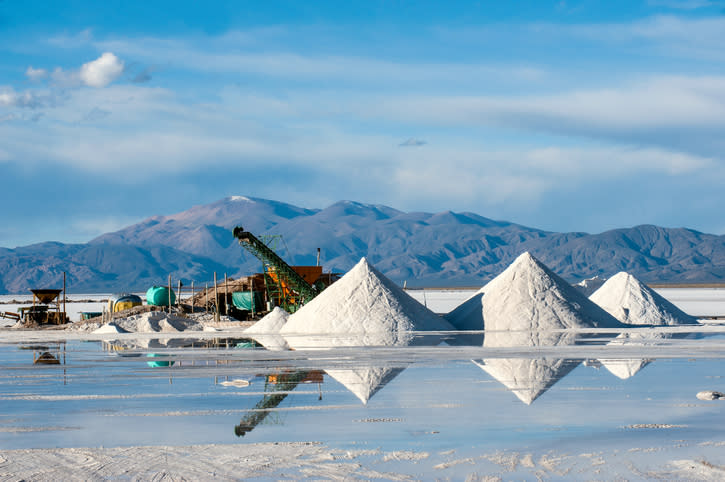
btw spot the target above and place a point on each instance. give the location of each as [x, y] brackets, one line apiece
[109, 410]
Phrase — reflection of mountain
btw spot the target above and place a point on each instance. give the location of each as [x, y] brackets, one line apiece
[528, 378]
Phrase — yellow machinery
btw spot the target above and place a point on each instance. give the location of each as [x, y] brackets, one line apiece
[45, 310]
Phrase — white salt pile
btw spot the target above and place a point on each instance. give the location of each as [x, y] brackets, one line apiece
[590, 285]
[710, 395]
[266, 330]
[150, 322]
[634, 303]
[109, 328]
[524, 306]
[529, 296]
[363, 308]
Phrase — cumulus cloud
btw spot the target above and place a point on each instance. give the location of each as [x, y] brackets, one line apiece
[36, 74]
[102, 71]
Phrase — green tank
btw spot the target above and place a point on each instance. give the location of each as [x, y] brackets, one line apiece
[159, 296]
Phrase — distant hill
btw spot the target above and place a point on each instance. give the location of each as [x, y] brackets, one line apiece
[424, 249]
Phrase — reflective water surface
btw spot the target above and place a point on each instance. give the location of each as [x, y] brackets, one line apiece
[584, 396]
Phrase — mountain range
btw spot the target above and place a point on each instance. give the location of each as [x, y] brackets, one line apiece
[422, 249]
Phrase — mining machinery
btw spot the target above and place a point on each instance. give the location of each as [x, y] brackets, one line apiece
[287, 286]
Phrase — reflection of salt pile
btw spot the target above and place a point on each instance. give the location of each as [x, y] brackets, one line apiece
[363, 308]
[266, 330]
[590, 285]
[524, 306]
[634, 303]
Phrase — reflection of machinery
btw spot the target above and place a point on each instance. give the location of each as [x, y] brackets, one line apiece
[45, 310]
[279, 386]
[287, 286]
[47, 355]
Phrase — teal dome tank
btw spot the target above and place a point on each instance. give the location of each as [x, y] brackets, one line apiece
[159, 296]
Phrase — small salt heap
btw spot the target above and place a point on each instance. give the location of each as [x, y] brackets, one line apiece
[266, 330]
[363, 308]
[526, 305]
[590, 285]
[634, 303]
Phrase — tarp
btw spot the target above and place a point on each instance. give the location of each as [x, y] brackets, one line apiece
[243, 300]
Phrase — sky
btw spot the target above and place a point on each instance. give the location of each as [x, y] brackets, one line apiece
[563, 115]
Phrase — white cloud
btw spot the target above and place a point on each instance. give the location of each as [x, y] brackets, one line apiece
[36, 74]
[220, 55]
[102, 71]
[10, 98]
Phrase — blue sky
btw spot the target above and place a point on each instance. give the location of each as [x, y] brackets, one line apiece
[565, 115]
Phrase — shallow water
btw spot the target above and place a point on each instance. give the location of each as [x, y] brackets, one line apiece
[441, 405]
[422, 399]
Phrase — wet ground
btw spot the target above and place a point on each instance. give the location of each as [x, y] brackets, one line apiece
[446, 406]
[463, 401]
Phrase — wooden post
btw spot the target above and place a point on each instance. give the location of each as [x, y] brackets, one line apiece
[216, 300]
[251, 294]
[226, 295]
[192, 296]
[178, 295]
[206, 297]
[169, 293]
[64, 315]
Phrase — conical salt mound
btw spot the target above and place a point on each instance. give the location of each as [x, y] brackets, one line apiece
[364, 382]
[363, 308]
[634, 303]
[266, 330]
[529, 296]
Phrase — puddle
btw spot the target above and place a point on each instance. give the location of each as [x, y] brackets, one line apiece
[455, 405]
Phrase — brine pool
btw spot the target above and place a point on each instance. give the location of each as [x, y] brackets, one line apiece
[423, 412]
